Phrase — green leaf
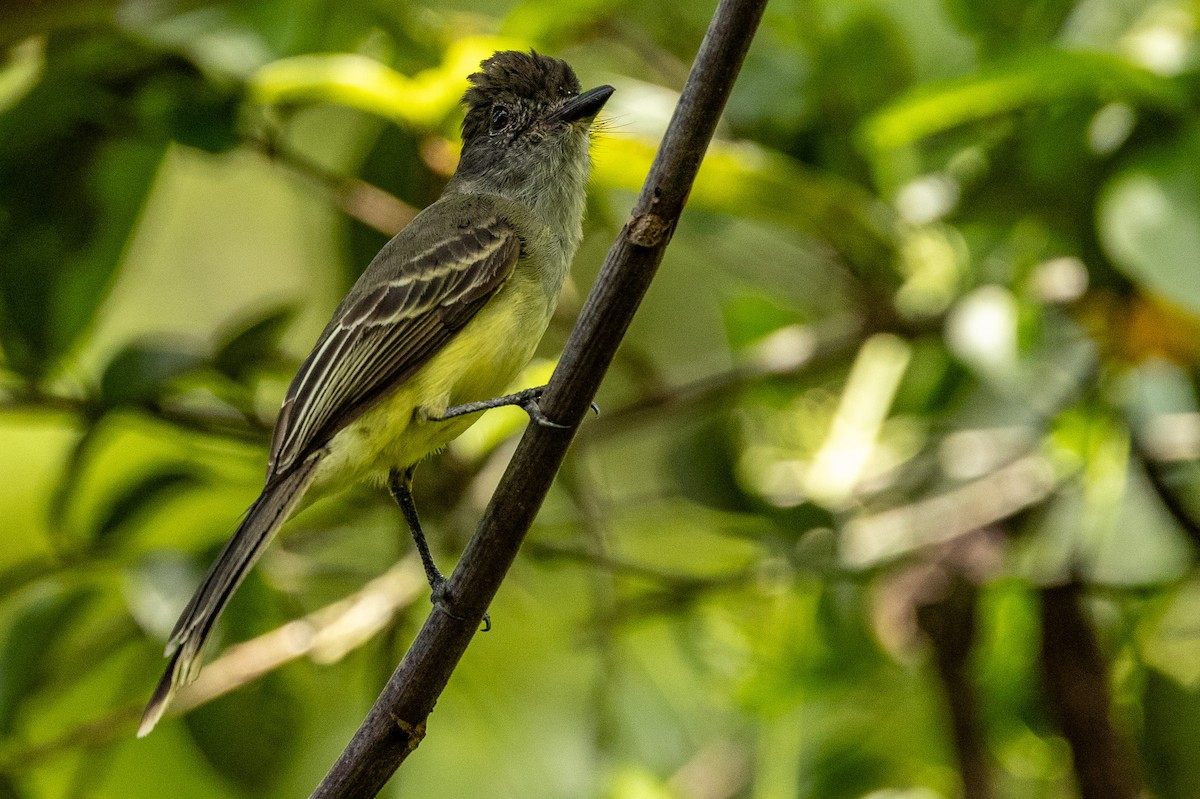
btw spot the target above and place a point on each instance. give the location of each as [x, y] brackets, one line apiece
[140, 373]
[1171, 748]
[703, 466]
[177, 102]
[81, 150]
[932, 381]
[395, 165]
[253, 346]
[269, 707]
[25, 642]
[746, 181]
[138, 496]
[750, 317]
[1149, 221]
[1169, 641]
[1008, 24]
[356, 81]
[865, 65]
[1034, 79]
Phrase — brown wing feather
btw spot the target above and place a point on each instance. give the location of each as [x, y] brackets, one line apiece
[380, 335]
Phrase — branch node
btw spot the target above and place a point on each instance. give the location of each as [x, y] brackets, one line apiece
[413, 733]
[648, 230]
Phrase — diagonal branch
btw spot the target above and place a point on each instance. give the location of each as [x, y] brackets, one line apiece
[396, 724]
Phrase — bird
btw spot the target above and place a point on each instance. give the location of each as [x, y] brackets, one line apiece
[437, 327]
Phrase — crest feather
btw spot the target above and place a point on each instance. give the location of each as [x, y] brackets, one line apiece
[512, 76]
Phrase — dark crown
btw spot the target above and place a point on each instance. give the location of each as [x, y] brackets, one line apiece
[510, 76]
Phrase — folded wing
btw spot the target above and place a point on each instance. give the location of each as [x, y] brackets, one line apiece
[384, 332]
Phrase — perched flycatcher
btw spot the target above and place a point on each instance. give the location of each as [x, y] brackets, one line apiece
[443, 319]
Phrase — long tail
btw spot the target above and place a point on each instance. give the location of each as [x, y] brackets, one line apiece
[269, 511]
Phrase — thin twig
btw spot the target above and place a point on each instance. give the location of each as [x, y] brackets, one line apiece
[396, 723]
[326, 635]
[789, 351]
[358, 199]
[224, 424]
[580, 486]
[610, 564]
[999, 495]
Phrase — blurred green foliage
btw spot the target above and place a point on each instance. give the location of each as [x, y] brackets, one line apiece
[925, 344]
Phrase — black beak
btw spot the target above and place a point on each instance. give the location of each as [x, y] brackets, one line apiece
[584, 106]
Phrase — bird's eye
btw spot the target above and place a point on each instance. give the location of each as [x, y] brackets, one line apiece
[499, 118]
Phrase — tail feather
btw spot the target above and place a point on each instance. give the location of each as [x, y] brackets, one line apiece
[278, 499]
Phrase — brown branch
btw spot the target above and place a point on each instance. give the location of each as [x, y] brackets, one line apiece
[396, 723]
[950, 625]
[358, 199]
[1076, 684]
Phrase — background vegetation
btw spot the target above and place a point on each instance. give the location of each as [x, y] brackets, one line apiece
[892, 494]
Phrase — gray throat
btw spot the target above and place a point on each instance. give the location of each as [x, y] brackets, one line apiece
[553, 188]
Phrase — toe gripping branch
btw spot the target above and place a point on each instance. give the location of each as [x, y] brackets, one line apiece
[400, 484]
[526, 400]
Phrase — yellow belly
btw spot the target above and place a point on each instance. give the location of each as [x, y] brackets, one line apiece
[478, 363]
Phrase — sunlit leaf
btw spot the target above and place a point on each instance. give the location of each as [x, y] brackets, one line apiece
[546, 20]
[140, 496]
[1171, 642]
[1033, 79]
[422, 101]
[22, 71]
[1149, 219]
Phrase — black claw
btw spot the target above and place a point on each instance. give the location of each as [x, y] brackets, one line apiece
[442, 603]
[595, 409]
[535, 413]
[440, 597]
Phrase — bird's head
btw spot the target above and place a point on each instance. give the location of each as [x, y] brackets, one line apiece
[527, 125]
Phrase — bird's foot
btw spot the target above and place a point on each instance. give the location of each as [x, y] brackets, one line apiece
[531, 404]
[527, 400]
[441, 599]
